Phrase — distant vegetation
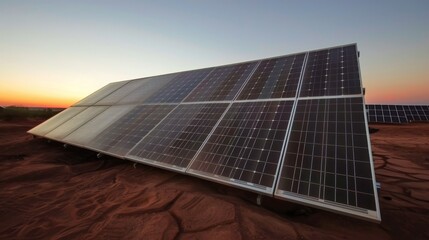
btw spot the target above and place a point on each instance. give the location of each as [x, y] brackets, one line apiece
[21, 113]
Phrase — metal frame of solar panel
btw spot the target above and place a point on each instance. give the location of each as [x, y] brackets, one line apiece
[397, 114]
[242, 125]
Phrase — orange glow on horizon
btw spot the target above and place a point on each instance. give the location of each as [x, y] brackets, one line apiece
[415, 93]
[35, 100]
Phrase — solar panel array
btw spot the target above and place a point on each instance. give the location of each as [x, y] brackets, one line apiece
[293, 127]
[378, 113]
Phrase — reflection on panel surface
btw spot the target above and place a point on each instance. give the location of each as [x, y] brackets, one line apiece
[274, 78]
[178, 137]
[84, 134]
[179, 87]
[148, 87]
[222, 84]
[72, 124]
[327, 157]
[120, 93]
[55, 121]
[246, 145]
[100, 94]
[126, 132]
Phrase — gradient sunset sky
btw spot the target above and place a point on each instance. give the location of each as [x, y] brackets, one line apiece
[53, 53]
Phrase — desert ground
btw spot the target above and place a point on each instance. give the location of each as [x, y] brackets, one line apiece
[48, 192]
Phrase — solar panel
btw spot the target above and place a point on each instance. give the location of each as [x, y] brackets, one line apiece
[327, 161]
[222, 84]
[174, 142]
[75, 122]
[292, 127]
[245, 147]
[120, 137]
[420, 113]
[331, 72]
[401, 114]
[55, 121]
[274, 78]
[371, 113]
[120, 93]
[180, 87]
[148, 87]
[100, 94]
[84, 135]
[426, 112]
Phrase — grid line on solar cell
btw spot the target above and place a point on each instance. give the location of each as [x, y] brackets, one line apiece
[274, 78]
[180, 87]
[331, 72]
[222, 84]
[126, 132]
[178, 137]
[327, 156]
[247, 143]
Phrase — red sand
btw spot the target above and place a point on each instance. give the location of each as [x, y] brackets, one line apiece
[48, 192]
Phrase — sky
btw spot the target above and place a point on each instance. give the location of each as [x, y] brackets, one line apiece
[54, 53]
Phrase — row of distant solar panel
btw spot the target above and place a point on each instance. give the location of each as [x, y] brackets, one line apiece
[397, 113]
[296, 120]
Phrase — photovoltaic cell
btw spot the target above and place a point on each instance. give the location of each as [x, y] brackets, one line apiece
[85, 134]
[55, 121]
[120, 137]
[174, 142]
[332, 72]
[327, 159]
[222, 84]
[100, 94]
[75, 122]
[179, 87]
[274, 78]
[121, 92]
[245, 147]
[148, 87]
